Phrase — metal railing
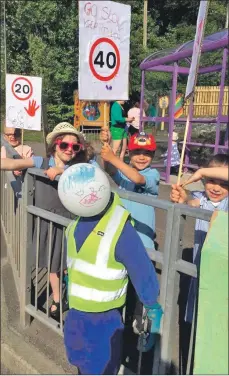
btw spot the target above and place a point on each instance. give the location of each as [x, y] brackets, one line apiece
[18, 217]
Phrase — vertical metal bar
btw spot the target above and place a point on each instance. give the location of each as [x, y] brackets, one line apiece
[145, 23]
[4, 21]
[14, 224]
[171, 121]
[25, 256]
[124, 314]
[164, 286]
[190, 350]
[169, 311]
[11, 219]
[221, 94]
[21, 234]
[49, 265]
[37, 259]
[61, 282]
[141, 126]
[7, 209]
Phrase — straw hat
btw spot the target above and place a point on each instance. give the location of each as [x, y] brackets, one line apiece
[63, 128]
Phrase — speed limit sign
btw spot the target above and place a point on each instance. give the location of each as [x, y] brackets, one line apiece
[104, 59]
[23, 102]
[22, 88]
[104, 49]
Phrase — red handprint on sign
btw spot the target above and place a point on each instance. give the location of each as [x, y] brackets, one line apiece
[31, 111]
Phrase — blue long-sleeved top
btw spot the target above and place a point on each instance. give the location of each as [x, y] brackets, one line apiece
[131, 252]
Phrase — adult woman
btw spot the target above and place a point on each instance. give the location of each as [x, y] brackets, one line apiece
[118, 131]
[13, 137]
[66, 146]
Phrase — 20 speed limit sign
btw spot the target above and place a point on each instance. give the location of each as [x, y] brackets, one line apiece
[22, 88]
[104, 59]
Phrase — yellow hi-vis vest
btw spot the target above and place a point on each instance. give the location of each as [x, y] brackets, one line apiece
[97, 282]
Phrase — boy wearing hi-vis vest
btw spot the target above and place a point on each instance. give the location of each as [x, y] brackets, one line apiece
[103, 251]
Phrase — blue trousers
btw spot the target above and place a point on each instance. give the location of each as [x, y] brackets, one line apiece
[93, 341]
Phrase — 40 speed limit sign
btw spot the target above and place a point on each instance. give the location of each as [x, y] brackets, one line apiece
[104, 59]
[104, 42]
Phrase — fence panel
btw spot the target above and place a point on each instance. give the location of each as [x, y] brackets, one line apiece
[169, 262]
[206, 101]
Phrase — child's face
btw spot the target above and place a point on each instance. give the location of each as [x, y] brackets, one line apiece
[141, 159]
[216, 190]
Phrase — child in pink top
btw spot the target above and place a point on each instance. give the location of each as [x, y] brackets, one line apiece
[134, 112]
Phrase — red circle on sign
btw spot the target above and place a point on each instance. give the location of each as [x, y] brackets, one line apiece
[98, 76]
[30, 85]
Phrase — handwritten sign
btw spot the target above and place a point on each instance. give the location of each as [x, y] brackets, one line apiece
[23, 102]
[104, 43]
[202, 16]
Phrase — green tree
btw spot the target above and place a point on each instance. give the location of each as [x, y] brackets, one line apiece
[42, 39]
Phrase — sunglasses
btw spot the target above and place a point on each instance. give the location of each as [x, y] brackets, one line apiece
[72, 145]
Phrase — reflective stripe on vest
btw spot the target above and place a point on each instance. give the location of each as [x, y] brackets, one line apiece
[102, 285]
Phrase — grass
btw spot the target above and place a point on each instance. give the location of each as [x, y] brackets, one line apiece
[33, 136]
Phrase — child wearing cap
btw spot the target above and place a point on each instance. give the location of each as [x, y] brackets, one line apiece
[175, 156]
[137, 177]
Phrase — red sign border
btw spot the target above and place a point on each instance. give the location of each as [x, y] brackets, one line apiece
[31, 87]
[95, 44]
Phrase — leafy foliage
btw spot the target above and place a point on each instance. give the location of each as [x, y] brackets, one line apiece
[42, 39]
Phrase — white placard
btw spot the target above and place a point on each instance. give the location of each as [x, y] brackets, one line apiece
[201, 20]
[23, 102]
[104, 47]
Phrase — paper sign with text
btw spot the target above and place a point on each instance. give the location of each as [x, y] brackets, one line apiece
[201, 20]
[23, 102]
[104, 47]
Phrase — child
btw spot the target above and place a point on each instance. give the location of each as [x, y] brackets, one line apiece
[137, 177]
[215, 197]
[66, 146]
[103, 249]
[210, 172]
[175, 156]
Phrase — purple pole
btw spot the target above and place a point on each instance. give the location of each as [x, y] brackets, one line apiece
[187, 151]
[221, 93]
[141, 127]
[171, 121]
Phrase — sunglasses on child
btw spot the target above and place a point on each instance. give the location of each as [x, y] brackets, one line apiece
[63, 145]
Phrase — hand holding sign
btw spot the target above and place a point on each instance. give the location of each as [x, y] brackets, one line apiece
[31, 111]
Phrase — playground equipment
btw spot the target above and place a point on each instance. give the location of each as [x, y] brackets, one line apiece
[162, 62]
[90, 114]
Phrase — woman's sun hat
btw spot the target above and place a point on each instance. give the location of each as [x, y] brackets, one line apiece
[63, 128]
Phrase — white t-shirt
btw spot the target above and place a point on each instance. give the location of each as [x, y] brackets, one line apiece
[135, 112]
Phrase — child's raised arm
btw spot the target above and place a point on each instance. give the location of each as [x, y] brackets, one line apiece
[9, 164]
[220, 173]
[130, 172]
